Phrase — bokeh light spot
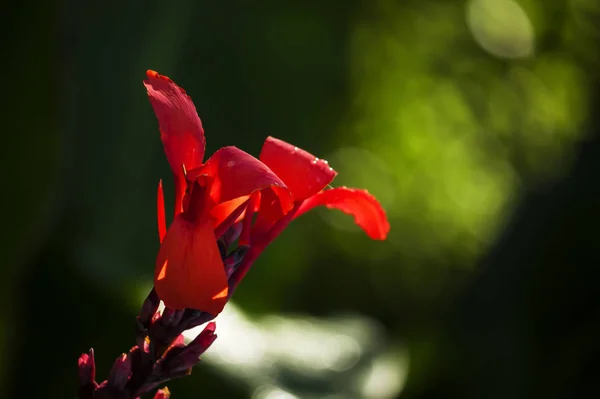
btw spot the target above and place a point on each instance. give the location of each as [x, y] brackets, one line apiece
[501, 27]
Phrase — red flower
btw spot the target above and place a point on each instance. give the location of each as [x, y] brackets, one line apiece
[307, 177]
[209, 197]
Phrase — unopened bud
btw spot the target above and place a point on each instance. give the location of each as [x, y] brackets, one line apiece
[120, 372]
[149, 308]
[163, 394]
[180, 359]
[201, 343]
[171, 317]
[197, 319]
[87, 368]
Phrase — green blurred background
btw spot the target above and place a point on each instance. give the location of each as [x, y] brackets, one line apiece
[473, 122]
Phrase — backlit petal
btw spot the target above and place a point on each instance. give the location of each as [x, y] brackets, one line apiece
[180, 127]
[270, 211]
[189, 271]
[222, 211]
[180, 188]
[368, 213]
[251, 209]
[237, 174]
[226, 214]
[303, 173]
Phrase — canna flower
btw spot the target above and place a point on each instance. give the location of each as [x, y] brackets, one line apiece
[307, 178]
[209, 197]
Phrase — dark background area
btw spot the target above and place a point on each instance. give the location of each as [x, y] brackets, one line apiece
[475, 123]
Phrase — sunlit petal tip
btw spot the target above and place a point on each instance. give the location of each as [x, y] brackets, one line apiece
[303, 173]
[152, 74]
[155, 75]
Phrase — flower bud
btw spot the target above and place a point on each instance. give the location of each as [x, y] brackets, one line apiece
[180, 359]
[163, 394]
[149, 308]
[87, 368]
[120, 372]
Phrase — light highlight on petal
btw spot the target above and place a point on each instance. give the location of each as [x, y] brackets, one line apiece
[237, 174]
[303, 173]
[189, 270]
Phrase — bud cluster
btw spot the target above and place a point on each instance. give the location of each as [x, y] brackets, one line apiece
[160, 353]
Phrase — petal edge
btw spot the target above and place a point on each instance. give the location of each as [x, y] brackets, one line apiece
[303, 173]
[239, 174]
[180, 127]
[364, 207]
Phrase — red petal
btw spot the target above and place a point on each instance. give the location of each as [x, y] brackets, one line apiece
[160, 212]
[303, 173]
[222, 211]
[269, 213]
[251, 209]
[366, 210]
[228, 213]
[189, 271]
[180, 127]
[180, 189]
[237, 174]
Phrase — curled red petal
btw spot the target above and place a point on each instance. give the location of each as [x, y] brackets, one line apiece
[237, 174]
[180, 127]
[367, 211]
[303, 173]
[160, 212]
[189, 271]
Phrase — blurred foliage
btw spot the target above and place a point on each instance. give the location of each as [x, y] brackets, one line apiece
[473, 122]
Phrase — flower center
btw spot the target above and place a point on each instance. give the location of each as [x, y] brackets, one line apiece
[196, 202]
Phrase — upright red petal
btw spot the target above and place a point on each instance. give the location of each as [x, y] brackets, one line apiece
[180, 128]
[238, 174]
[189, 271]
[368, 213]
[303, 173]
